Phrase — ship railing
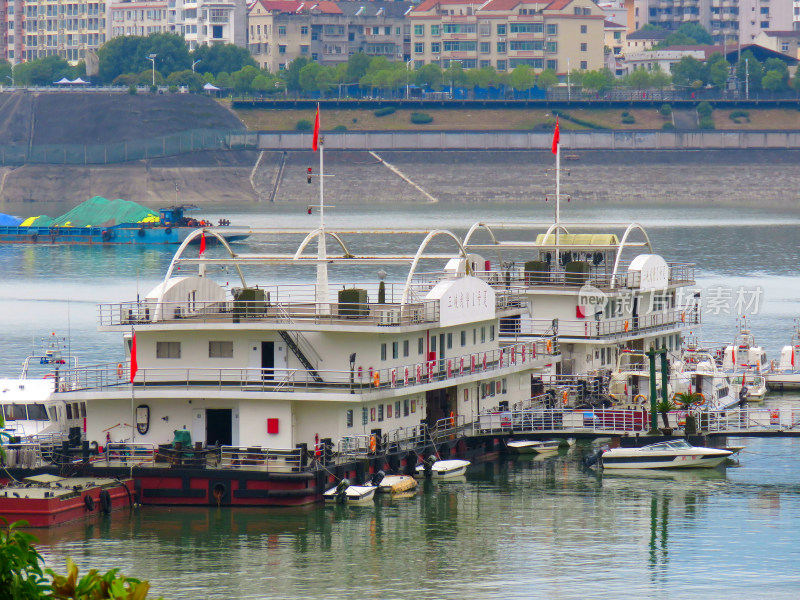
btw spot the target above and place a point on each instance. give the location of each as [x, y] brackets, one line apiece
[515, 276]
[326, 313]
[589, 328]
[357, 446]
[266, 459]
[26, 455]
[126, 454]
[449, 428]
[359, 380]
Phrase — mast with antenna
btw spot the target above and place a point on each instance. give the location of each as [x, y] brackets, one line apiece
[322, 252]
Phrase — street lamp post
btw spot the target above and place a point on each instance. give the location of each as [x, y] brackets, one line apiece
[195, 62]
[152, 58]
[408, 85]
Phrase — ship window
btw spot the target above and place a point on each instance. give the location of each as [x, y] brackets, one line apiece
[433, 344]
[82, 406]
[449, 341]
[405, 407]
[220, 349]
[69, 411]
[397, 409]
[463, 337]
[474, 336]
[483, 335]
[505, 386]
[383, 351]
[364, 415]
[405, 348]
[388, 411]
[168, 349]
[15, 411]
[53, 413]
[349, 417]
[395, 349]
[491, 333]
[420, 345]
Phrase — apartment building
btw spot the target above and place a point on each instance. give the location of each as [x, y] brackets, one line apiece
[138, 18]
[545, 34]
[3, 31]
[728, 21]
[35, 29]
[785, 42]
[327, 32]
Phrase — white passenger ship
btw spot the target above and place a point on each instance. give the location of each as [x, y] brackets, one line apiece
[277, 366]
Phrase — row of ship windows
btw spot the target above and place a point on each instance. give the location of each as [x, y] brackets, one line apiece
[407, 406]
[216, 349]
[447, 339]
[485, 29]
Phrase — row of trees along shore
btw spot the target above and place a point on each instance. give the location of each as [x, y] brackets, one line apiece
[123, 61]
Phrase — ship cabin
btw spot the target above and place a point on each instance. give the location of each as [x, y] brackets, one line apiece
[600, 292]
[281, 365]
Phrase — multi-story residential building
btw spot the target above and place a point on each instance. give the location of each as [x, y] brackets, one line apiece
[545, 34]
[327, 32]
[728, 21]
[3, 31]
[785, 42]
[198, 21]
[65, 28]
[138, 17]
[616, 37]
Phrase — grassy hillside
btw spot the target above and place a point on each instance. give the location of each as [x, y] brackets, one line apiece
[508, 119]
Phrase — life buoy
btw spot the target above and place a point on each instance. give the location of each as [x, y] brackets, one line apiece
[637, 396]
[565, 396]
[34, 237]
[376, 379]
[120, 371]
[49, 376]
[683, 317]
[140, 233]
[702, 399]
[452, 419]
[89, 502]
[106, 235]
[626, 327]
[372, 444]
[105, 502]
[549, 346]
[168, 230]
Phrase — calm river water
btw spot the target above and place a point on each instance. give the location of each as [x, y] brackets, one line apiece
[526, 528]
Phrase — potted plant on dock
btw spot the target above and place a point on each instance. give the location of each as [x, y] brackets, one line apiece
[686, 401]
[664, 407]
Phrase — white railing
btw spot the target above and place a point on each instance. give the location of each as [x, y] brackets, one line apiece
[358, 381]
[262, 459]
[126, 454]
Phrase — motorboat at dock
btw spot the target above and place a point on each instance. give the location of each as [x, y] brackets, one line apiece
[671, 454]
[533, 446]
[442, 469]
[784, 374]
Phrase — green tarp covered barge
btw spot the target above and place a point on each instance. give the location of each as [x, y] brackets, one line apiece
[102, 221]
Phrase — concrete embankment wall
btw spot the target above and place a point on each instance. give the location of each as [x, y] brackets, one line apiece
[522, 140]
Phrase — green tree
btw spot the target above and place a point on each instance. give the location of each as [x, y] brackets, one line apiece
[522, 78]
[686, 71]
[658, 78]
[357, 66]
[688, 34]
[223, 81]
[292, 74]
[171, 50]
[128, 54]
[598, 81]
[5, 71]
[430, 75]
[639, 79]
[315, 78]
[773, 81]
[547, 79]
[222, 57]
[484, 77]
[186, 78]
[750, 70]
[42, 71]
[145, 78]
[243, 79]
[262, 85]
[454, 75]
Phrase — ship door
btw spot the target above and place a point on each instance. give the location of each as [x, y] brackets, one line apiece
[635, 312]
[441, 353]
[267, 361]
[439, 404]
[219, 427]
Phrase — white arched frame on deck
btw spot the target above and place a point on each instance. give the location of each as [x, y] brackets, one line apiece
[315, 234]
[488, 229]
[193, 235]
[419, 254]
[630, 229]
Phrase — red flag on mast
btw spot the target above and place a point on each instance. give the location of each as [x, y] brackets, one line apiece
[134, 364]
[202, 243]
[315, 144]
[556, 138]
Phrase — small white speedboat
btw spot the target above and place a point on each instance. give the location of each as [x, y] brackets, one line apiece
[671, 454]
[395, 484]
[442, 469]
[533, 446]
[344, 493]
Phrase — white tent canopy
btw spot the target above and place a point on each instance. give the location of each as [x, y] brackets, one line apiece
[62, 81]
[210, 87]
[78, 81]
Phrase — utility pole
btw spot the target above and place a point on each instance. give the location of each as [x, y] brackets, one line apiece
[746, 80]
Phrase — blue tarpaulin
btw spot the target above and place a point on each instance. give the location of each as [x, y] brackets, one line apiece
[9, 220]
